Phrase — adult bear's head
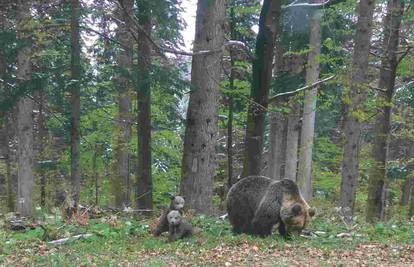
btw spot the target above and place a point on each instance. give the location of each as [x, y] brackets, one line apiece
[295, 212]
[296, 216]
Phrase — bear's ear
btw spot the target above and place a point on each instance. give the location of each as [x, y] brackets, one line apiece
[296, 209]
[172, 197]
[312, 212]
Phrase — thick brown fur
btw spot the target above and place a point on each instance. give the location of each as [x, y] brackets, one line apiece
[177, 203]
[178, 228]
[256, 203]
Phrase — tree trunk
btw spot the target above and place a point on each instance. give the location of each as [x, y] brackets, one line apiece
[406, 188]
[278, 119]
[4, 91]
[199, 156]
[411, 211]
[9, 177]
[262, 76]
[123, 132]
[353, 101]
[95, 175]
[292, 139]
[278, 135]
[377, 182]
[25, 152]
[304, 178]
[231, 178]
[144, 176]
[75, 100]
[42, 145]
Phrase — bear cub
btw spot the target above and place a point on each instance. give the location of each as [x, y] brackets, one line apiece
[256, 203]
[177, 204]
[178, 228]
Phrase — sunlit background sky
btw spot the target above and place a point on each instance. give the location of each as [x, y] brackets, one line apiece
[190, 8]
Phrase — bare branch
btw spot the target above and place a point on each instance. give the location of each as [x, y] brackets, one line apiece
[296, 4]
[307, 87]
[162, 49]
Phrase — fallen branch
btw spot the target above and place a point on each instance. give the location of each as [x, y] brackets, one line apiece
[307, 87]
[65, 240]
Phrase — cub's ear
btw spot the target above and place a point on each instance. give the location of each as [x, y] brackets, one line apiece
[312, 212]
[172, 197]
[296, 210]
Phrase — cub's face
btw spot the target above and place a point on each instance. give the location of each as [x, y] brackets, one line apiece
[296, 216]
[174, 217]
[177, 203]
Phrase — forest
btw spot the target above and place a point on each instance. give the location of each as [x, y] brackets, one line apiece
[125, 123]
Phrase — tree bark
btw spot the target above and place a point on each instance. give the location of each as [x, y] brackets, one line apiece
[278, 135]
[199, 157]
[377, 182]
[75, 100]
[278, 119]
[42, 146]
[231, 179]
[4, 91]
[144, 176]
[9, 177]
[233, 34]
[25, 152]
[262, 76]
[411, 211]
[304, 178]
[292, 139]
[353, 100]
[123, 132]
[95, 175]
[406, 188]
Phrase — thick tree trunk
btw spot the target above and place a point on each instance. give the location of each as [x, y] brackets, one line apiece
[144, 174]
[262, 76]
[304, 178]
[123, 132]
[199, 157]
[75, 100]
[353, 105]
[292, 139]
[278, 135]
[25, 152]
[278, 120]
[377, 182]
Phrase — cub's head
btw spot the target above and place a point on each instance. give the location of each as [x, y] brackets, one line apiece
[174, 217]
[296, 216]
[177, 203]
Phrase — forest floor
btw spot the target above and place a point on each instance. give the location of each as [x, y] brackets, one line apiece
[124, 241]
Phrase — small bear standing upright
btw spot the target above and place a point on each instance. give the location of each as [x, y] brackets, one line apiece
[177, 203]
[178, 228]
[256, 203]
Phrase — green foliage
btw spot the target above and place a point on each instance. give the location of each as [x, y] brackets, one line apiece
[131, 242]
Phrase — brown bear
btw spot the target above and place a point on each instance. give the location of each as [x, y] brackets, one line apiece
[178, 228]
[177, 203]
[256, 203]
